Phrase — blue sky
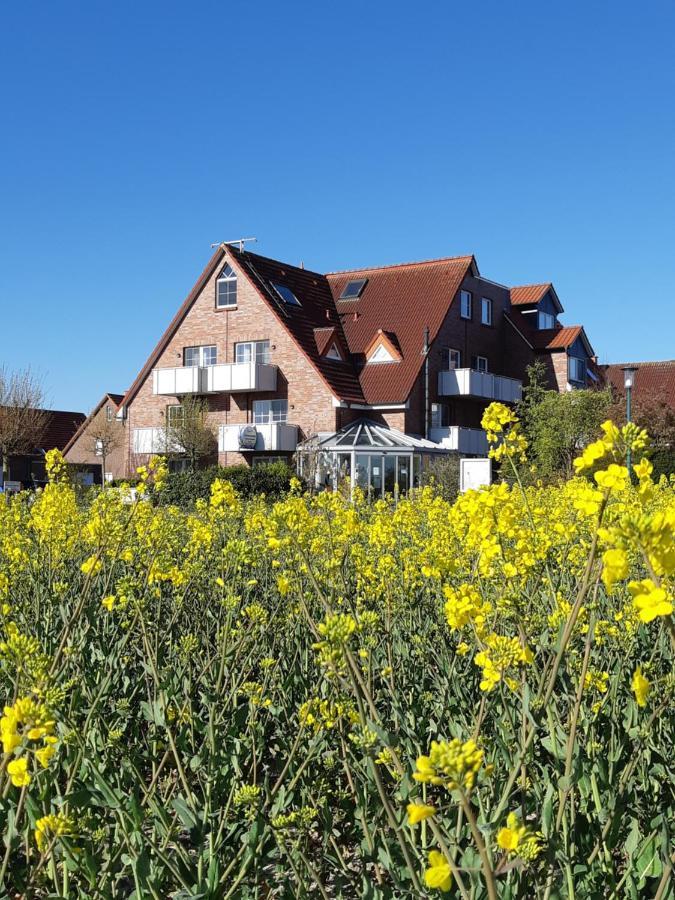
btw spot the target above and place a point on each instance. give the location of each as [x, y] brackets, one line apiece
[540, 137]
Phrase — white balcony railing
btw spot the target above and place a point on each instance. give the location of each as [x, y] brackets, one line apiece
[272, 436]
[224, 377]
[239, 377]
[179, 380]
[154, 440]
[472, 441]
[472, 383]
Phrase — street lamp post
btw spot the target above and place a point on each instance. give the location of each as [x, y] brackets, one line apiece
[628, 383]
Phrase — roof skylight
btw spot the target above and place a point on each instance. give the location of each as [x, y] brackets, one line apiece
[352, 290]
[286, 294]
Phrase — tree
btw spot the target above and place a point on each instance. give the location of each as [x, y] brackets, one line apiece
[188, 433]
[558, 425]
[22, 420]
[104, 437]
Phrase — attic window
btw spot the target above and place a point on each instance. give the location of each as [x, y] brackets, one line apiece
[334, 353]
[226, 288]
[381, 355]
[286, 294]
[352, 290]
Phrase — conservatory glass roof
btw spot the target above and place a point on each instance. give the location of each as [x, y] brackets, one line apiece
[364, 434]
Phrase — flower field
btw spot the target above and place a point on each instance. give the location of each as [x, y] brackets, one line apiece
[320, 698]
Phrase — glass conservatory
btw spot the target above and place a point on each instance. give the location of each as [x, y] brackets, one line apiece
[377, 459]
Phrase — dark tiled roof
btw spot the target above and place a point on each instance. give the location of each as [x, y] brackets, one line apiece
[402, 299]
[316, 310]
[60, 428]
[655, 379]
[528, 294]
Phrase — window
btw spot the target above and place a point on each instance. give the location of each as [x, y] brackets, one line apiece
[200, 356]
[265, 411]
[175, 415]
[267, 460]
[576, 369]
[545, 320]
[286, 294]
[381, 355]
[440, 415]
[466, 304]
[109, 413]
[353, 289]
[454, 359]
[226, 288]
[334, 353]
[486, 311]
[480, 363]
[252, 351]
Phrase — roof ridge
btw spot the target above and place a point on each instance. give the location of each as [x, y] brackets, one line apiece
[515, 287]
[402, 265]
[280, 262]
[649, 362]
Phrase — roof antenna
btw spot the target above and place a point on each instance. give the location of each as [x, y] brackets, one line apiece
[240, 241]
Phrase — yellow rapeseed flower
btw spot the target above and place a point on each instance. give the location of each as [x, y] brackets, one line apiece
[641, 687]
[417, 812]
[438, 874]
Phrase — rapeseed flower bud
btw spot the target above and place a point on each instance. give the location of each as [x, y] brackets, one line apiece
[454, 764]
[518, 839]
[51, 827]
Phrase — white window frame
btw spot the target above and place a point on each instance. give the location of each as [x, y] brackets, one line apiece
[173, 420]
[466, 297]
[454, 358]
[109, 413]
[334, 353]
[252, 351]
[482, 364]
[486, 306]
[571, 360]
[204, 358]
[227, 278]
[266, 412]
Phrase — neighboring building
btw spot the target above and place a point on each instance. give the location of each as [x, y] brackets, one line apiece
[101, 428]
[653, 381]
[284, 355]
[29, 469]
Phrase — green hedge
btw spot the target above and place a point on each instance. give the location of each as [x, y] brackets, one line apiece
[183, 488]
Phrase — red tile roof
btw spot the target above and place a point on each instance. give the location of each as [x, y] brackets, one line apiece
[405, 299]
[555, 338]
[656, 379]
[526, 294]
[316, 310]
[60, 427]
[115, 399]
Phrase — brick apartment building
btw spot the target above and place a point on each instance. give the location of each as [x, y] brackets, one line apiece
[381, 368]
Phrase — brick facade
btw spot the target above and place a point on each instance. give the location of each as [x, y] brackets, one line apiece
[310, 405]
[322, 395]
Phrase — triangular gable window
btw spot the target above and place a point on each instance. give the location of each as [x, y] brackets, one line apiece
[334, 353]
[381, 355]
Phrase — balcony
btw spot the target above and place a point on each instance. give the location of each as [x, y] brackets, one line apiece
[235, 378]
[472, 441]
[228, 378]
[472, 383]
[252, 438]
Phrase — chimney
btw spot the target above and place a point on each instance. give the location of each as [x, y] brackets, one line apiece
[302, 264]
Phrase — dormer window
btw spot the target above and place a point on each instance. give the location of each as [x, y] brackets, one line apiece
[226, 288]
[545, 321]
[383, 349]
[353, 289]
[286, 294]
[334, 353]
